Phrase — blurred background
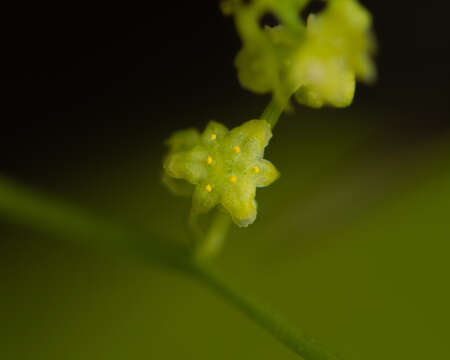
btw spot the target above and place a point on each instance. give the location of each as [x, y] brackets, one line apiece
[351, 244]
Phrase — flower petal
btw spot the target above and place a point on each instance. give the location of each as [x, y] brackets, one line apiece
[205, 197]
[178, 187]
[183, 140]
[257, 66]
[189, 165]
[213, 132]
[264, 174]
[326, 81]
[252, 137]
[239, 201]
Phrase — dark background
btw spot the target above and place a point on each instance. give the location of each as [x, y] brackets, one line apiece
[87, 80]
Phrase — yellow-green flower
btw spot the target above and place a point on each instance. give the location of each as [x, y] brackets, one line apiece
[260, 61]
[337, 48]
[225, 166]
[317, 62]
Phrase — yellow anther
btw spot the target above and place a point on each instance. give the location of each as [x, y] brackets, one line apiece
[213, 137]
[233, 179]
[255, 170]
[236, 149]
[208, 188]
[209, 160]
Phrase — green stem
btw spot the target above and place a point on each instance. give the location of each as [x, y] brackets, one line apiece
[207, 245]
[215, 237]
[273, 112]
[27, 208]
[263, 316]
[195, 231]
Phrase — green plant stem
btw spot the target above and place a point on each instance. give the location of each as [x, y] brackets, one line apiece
[206, 245]
[214, 239]
[272, 112]
[263, 316]
[30, 209]
[195, 232]
[27, 208]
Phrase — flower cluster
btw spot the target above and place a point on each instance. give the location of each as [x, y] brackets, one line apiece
[224, 166]
[317, 62]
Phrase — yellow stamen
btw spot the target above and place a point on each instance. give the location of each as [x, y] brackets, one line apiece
[213, 137]
[233, 179]
[255, 170]
[208, 188]
[209, 160]
[236, 149]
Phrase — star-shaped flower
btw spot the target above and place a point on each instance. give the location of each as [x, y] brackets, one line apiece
[225, 166]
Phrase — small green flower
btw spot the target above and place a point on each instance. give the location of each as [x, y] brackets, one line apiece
[317, 62]
[225, 166]
[260, 61]
[336, 49]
